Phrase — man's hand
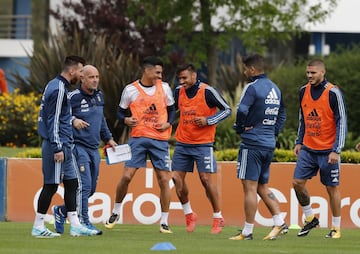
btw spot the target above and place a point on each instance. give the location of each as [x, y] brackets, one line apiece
[112, 143]
[80, 124]
[59, 157]
[200, 121]
[334, 158]
[130, 121]
[162, 126]
[297, 149]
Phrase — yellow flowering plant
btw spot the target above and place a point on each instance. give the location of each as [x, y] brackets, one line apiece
[18, 119]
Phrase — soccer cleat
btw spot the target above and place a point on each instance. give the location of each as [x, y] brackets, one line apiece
[59, 219]
[81, 231]
[218, 224]
[308, 226]
[190, 221]
[110, 223]
[165, 229]
[277, 231]
[92, 227]
[43, 233]
[334, 233]
[240, 237]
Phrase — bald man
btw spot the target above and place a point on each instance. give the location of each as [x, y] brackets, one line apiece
[89, 129]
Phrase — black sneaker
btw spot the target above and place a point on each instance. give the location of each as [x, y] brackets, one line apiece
[110, 223]
[165, 229]
[308, 226]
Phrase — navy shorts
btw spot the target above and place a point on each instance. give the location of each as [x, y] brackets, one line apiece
[185, 157]
[157, 150]
[254, 164]
[55, 172]
[308, 164]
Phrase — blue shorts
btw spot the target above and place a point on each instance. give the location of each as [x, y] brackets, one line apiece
[184, 158]
[254, 164]
[53, 172]
[308, 164]
[158, 151]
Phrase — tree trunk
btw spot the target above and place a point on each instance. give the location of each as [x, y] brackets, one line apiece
[211, 64]
[209, 40]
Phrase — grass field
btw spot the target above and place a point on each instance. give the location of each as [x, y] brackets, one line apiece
[15, 238]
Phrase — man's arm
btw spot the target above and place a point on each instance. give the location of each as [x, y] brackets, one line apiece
[337, 104]
[247, 99]
[214, 99]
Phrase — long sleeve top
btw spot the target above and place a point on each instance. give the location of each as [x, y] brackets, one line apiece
[261, 109]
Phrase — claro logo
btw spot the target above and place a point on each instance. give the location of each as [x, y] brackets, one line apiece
[104, 203]
[100, 205]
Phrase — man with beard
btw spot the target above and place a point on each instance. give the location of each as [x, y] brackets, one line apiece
[58, 161]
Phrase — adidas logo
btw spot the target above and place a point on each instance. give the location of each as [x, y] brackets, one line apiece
[84, 104]
[313, 115]
[152, 107]
[272, 98]
[151, 110]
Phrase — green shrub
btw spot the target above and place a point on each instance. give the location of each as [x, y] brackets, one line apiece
[30, 153]
[281, 155]
[227, 155]
[18, 119]
[116, 71]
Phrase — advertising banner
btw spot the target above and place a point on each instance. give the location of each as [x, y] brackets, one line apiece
[141, 205]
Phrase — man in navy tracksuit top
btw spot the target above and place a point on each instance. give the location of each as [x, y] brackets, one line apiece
[90, 128]
[58, 162]
[259, 118]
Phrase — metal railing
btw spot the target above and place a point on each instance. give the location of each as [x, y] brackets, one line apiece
[15, 26]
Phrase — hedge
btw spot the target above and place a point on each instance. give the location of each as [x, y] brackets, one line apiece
[280, 155]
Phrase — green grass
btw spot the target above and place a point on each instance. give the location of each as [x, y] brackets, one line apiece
[134, 239]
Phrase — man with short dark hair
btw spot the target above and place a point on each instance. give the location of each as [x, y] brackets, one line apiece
[90, 128]
[260, 117]
[152, 114]
[201, 108]
[58, 161]
[321, 137]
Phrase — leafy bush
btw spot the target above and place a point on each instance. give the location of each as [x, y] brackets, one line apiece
[280, 155]
[339, 70]
[18, 118]
[116, 70]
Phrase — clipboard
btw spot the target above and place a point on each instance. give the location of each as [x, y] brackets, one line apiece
[122, 153]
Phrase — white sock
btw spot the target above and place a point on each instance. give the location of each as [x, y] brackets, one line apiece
[278, 220]
[187, 208]
[248, 229]
[307, 210]
[164, 218]
[73, 218]
[117, 208]
[39, 222]
[217, 215]
[336, 221]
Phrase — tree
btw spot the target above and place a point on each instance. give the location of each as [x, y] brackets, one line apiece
[116, 70]
[193, 30]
